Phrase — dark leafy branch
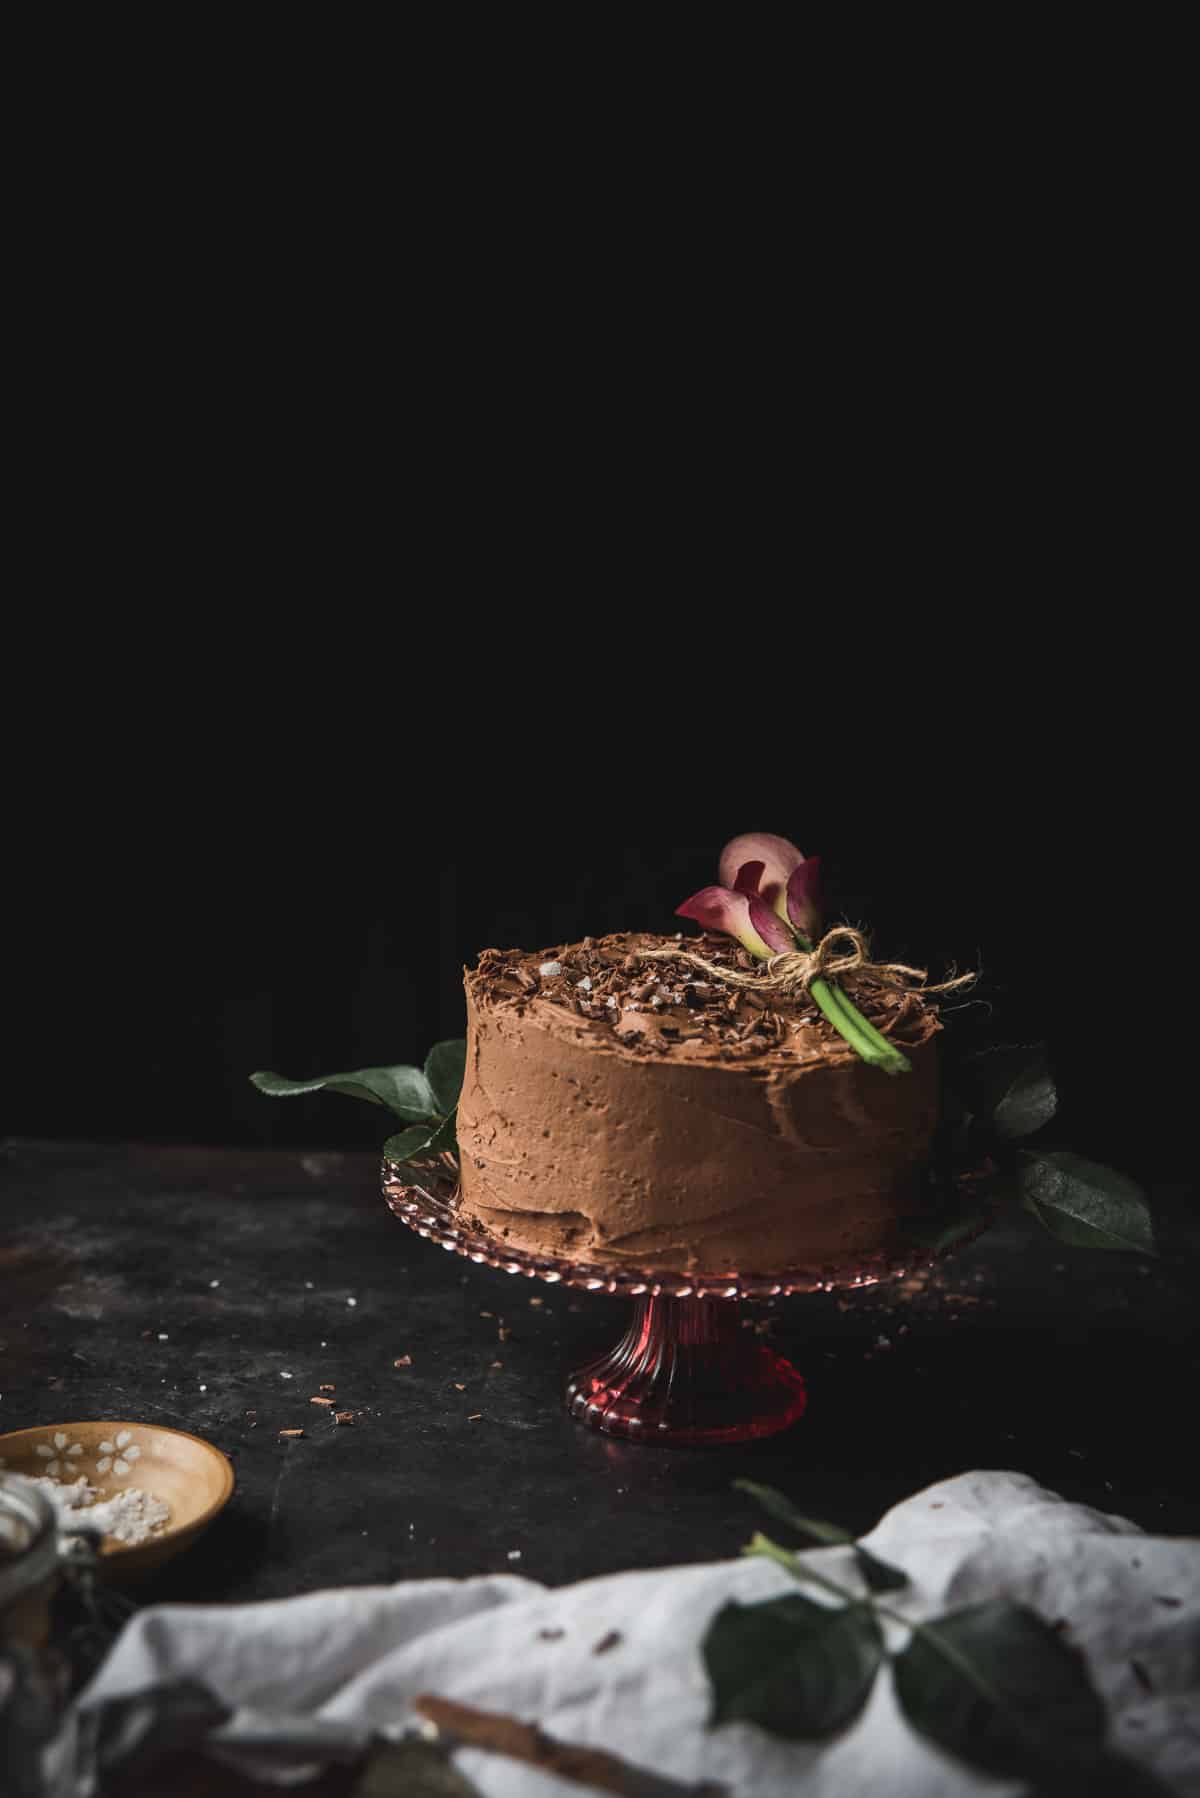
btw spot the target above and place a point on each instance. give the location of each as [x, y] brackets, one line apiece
[992, 1684]
[426, 1099]
[993, 1102]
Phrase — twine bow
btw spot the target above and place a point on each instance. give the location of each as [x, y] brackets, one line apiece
[794, 971]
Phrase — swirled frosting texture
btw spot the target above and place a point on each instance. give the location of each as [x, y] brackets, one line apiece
[611, 1112]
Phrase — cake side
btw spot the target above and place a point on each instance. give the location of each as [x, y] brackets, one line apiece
[620, 1109]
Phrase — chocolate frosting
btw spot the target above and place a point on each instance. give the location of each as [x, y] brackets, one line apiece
[619, 1109]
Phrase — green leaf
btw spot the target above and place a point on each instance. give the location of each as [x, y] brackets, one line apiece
[407, 1144]
[403, 1090]
[445, 1137]
[879, 1576]
[1011, 1089]
[445, 1066]
[964, 1217]
[1083, 1203]
[800, 1669]
[996, 1686]
[422, 1140]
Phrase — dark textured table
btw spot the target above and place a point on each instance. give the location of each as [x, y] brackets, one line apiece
[182, 1286]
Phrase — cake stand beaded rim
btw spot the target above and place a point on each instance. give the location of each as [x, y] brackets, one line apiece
[433, 1214]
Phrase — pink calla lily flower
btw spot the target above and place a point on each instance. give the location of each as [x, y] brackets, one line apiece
[776, 870]
[769, 900]
[741, 915]
[777, 856]
[804, 898]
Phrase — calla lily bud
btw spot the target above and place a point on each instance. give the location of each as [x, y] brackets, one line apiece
[778, 859]
[804, 897]
[739, 915]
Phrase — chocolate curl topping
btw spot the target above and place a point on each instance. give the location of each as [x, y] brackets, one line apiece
[841, 951]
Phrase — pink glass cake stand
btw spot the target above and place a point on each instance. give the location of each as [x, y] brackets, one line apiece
[685, 1371]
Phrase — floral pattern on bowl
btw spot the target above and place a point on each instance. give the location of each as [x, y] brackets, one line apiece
[119, 1454]
[59, 1454]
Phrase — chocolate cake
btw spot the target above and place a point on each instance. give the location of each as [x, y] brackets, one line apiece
[619, 1109]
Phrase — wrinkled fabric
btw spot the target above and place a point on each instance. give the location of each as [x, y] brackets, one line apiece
[336, 1666]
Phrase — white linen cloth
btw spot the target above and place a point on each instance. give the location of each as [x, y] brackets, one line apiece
[351, 1660]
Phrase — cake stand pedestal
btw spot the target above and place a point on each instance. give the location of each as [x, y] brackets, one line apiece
[685, 1372]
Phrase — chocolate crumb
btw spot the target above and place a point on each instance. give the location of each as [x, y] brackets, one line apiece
[400, 1361]
[611, 1640]
[1142, 1677]
[552, 1635]
[343, 1417]
[291, 1432]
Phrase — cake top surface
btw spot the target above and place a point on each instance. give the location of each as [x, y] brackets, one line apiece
[672, 1008]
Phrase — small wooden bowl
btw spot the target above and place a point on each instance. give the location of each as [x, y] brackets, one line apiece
[187, 1473]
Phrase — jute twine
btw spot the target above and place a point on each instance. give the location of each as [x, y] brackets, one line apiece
[840, 951]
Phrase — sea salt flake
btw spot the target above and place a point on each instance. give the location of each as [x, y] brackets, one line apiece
[131, 1516]
[585, 983]
[549, 969]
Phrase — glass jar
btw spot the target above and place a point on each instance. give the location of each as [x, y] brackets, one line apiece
[34, 1677]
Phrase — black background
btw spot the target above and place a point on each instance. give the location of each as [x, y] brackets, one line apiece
[391, 592]
[283, 858]
[334, 671]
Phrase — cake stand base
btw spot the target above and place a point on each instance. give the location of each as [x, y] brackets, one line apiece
[686, 1372]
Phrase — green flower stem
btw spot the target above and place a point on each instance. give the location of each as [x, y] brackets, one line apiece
[858, 1031]
[771, 1551]
[849, 1022]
